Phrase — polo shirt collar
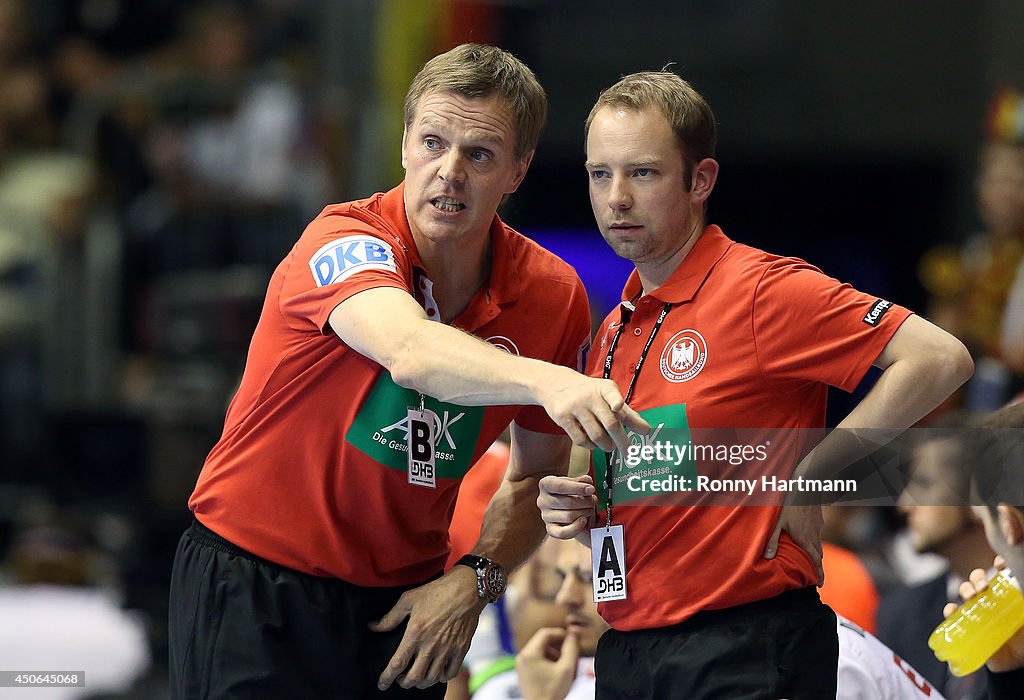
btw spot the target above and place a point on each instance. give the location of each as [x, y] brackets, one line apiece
[502, 285]
[691, 273]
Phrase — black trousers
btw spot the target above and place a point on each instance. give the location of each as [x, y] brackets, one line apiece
[783, 647]
[247, 629]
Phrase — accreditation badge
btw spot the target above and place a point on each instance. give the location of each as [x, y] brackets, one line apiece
[421, 448]
[608, 557]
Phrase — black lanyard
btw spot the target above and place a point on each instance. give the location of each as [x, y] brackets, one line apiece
[608, 483]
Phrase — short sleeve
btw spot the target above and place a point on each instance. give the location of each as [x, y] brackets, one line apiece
[333, 261]
[572, 352]
[809, 327]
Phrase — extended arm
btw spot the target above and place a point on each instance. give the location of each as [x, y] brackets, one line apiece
[388, 326]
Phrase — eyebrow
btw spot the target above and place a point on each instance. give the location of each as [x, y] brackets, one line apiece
[639, 163]
[473, 135]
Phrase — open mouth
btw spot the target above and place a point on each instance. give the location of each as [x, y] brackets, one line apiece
[447, 204]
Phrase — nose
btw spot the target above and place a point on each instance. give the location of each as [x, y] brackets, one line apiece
[452, 167]
[620, 197]
[570, 593]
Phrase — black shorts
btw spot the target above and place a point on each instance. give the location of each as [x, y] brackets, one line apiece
[783, 647]
[243, 627]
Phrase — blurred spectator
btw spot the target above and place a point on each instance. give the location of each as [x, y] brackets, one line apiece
[941, 521]
[872, 533]
[969, 289]
[559, 662]
[44, 201]
[548, 664]
[1007, 193]
[56, 619]
[234, 176]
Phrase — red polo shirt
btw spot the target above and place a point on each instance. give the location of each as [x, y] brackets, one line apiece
[751, 341]
[310, 471]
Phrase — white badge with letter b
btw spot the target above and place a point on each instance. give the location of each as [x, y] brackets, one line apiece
[421, 448]
[608, 556]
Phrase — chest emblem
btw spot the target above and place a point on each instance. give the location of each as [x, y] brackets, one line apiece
[684, 356]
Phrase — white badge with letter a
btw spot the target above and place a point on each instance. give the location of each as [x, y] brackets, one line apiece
[608, 556]
[421, 448]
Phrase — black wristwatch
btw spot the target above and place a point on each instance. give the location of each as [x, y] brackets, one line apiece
[491, 578]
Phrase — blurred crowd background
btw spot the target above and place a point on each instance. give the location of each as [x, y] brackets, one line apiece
[159, 157]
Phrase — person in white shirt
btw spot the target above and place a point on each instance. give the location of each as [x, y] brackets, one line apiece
[869, 670]
[556, 662]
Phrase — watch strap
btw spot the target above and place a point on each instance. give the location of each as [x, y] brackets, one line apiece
[474, 562]
[482, 566]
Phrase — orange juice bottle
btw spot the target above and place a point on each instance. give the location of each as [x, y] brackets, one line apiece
[979, 627]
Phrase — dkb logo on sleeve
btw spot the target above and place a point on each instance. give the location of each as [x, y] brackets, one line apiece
[342, 258]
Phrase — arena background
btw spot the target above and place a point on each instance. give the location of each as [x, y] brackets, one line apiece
[158, 157]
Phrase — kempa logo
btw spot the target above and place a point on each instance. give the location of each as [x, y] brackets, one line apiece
[877, 311]
[684, 356]
[342, 258]
[442, 426]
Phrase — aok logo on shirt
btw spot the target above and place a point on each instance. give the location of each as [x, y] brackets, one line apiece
[342, 258]
[381, 429]
[666, 422]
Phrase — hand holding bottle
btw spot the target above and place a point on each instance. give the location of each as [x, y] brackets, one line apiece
[988, 627]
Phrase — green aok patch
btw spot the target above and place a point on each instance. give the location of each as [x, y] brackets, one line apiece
[668, 425]
[381, 429]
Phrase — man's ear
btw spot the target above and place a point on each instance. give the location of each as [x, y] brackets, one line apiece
[1011, 523]
[522, 165]
[702, 180]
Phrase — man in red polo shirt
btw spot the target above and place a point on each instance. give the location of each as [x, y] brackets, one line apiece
[719, 601]
[398, 339]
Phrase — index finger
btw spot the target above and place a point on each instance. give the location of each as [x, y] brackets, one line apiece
[619, 437]
[633, 420]
[570, 649]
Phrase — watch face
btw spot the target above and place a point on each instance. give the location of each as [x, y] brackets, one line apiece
[495, 580]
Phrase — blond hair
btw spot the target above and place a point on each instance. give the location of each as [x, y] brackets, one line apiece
[479, 71]
[685, 109]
